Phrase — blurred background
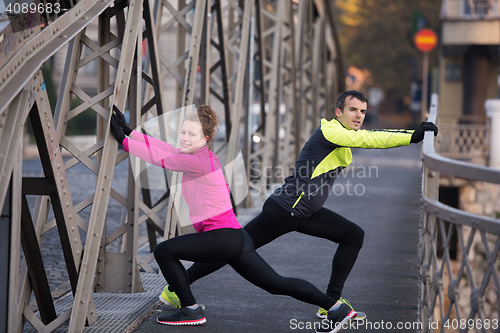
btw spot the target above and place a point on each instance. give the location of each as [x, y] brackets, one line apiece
[379, 58]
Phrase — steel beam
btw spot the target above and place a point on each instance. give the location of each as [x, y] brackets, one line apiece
[273, 71]
[103, 83]
[172, 226]
[325, 10]
[288, 154]
[103, 187]
[234, 137]
[100, 103]
[15, 244]
[259, 58]
[205, 57]
[131, 269]
[154, 60]
[23, 311]
[223, 64]
[153, 64]
[36, 269]
[307, 78]
[16, 73]
[300, 52]
[56, 185]
[5, 257]
[11, 123]
[292, 100]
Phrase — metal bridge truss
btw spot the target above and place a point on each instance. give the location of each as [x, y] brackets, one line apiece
[284, 53]
[454, 291]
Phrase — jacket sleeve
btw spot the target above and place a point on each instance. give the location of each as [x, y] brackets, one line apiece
[343, 137]
[150, 141]
[172, 160]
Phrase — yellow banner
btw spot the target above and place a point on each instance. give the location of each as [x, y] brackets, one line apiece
[425, 40]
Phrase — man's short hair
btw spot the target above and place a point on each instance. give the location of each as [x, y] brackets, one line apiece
[352, 94]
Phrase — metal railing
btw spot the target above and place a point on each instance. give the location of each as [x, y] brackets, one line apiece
[458, 291]
[470, 9]
[464, 141]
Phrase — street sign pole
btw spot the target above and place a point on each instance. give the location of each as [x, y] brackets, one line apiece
[425, 84]
[425, 41]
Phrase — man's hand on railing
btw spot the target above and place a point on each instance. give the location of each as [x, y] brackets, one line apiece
[418, 135]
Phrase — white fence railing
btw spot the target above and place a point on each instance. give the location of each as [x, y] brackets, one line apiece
[464, 142]
[459, 289]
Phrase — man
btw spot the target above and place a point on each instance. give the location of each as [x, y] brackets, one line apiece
[298, 204]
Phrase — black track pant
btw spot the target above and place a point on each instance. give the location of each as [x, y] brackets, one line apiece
[275, 221]
[235, 247]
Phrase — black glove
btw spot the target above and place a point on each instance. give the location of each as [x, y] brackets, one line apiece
[418, 135]
[120, 120]
[117, 131]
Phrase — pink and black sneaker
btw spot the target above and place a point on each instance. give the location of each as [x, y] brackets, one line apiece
[184, 316]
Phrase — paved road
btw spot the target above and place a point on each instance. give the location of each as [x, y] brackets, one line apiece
[383, 283]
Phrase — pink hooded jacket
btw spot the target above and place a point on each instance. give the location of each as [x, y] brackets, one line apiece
[204, 186]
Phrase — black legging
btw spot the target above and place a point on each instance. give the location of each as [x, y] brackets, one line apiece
[235, 247]
[275, 221]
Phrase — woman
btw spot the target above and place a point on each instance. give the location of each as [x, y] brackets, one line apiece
[219, 237]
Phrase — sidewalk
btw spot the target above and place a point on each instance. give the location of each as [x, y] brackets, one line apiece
[383, 283]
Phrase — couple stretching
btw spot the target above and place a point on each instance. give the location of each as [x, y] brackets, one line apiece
[296, 206]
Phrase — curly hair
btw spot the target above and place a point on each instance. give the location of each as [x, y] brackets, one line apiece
[208, 120]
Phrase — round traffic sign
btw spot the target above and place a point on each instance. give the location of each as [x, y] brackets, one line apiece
[425, 40]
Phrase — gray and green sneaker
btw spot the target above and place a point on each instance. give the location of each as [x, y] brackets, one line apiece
[338, 319]
[323, 314]
[170, 298]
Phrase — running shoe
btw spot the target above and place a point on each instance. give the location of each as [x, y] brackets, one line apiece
[184, 316]
[337, 319]
[170, 298]
[323, 313]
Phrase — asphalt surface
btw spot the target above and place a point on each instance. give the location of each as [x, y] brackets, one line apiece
[381, 194]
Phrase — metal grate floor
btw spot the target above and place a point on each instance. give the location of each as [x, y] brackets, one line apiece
[116, 312]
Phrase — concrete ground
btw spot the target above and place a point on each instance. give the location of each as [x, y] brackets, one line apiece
[381, 194]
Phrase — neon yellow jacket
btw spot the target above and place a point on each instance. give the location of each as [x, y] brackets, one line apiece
[323, 157]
